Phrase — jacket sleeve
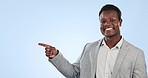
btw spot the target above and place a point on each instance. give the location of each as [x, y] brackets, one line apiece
[63, 65]
[140, 70]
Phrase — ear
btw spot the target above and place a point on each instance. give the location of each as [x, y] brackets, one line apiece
[120, 22]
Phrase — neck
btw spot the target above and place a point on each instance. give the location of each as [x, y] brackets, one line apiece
[112, 41]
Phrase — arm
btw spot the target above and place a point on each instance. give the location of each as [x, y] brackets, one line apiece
[140, 70]
[67, 69]
[57, 59]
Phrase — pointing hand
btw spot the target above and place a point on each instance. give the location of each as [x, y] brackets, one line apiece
[50, 51]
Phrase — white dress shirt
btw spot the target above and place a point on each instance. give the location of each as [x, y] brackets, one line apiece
[106, 59]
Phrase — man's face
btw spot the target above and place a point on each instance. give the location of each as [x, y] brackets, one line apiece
[110, 23]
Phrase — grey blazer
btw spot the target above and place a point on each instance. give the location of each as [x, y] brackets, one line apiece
[130, 62]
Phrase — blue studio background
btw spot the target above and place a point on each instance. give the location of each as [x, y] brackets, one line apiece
[66, 24]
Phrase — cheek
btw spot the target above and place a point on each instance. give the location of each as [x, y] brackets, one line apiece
[101, 29]
[101, 26]
[116, 24]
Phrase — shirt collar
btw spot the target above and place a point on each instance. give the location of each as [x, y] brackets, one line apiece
[118, 45]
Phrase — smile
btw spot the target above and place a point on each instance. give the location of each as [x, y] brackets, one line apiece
[108, 28]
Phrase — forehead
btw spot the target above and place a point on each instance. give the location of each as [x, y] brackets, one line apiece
[108, 14]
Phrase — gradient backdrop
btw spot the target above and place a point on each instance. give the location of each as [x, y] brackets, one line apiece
[66, 24]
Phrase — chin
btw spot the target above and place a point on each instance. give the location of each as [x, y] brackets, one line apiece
[109, 35]
[112, 35]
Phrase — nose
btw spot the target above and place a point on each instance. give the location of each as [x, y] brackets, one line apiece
[108, 23]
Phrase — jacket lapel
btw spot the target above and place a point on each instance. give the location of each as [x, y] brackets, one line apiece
[95, 55]
[122, 53]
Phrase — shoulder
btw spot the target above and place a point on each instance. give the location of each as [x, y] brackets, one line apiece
[131, 47]
[93, 44]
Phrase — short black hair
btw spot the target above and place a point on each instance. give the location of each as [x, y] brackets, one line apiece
[111, 7]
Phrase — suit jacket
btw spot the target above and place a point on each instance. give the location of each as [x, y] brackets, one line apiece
[130, 62]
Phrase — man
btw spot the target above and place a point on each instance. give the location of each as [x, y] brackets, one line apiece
[110, 57]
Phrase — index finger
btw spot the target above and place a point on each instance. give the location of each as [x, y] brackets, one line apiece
[44, 45]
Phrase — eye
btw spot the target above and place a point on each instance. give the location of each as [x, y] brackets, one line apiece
[102, 21]
[112, 20]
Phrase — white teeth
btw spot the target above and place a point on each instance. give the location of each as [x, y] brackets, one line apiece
[109, 28]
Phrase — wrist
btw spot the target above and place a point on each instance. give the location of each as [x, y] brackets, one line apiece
[54, 55]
